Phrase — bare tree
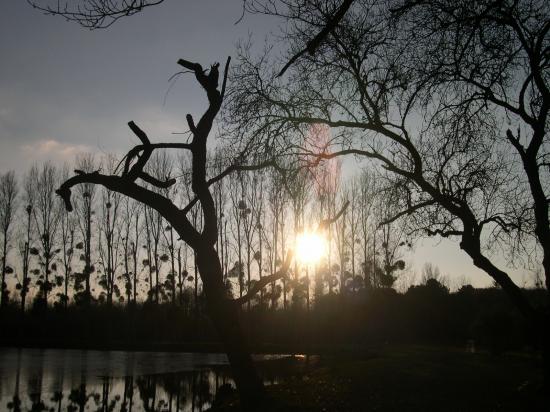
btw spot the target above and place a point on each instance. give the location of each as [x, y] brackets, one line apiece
[148, 261]
[85, 203]
[220, 192]
[353, 221]
[342, 245]
[297, 186]
[367, 225]
[259, 224]
[159, 165]
[451, 98]
[224, 312]
[110, 240]
[8, 207]
[250, 197]
[67, 236]
[130, 244]
[46, 216]
[26, 236]
[186, 170]
[276, 205]
[239, 213]
[393, 239]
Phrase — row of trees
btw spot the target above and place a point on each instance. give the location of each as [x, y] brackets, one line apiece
[451, 97]
[113, 249]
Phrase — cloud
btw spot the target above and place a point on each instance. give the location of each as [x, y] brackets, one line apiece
[54, 150]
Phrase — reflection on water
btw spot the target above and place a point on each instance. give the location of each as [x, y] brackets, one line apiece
[80, 380]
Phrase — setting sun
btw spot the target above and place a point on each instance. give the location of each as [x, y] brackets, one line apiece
[310, 247]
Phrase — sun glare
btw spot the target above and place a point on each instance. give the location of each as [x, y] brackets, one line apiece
[310, 247]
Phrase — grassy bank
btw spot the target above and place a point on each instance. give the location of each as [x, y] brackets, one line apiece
[410, 378]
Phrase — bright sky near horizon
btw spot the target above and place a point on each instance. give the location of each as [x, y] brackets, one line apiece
[65, 90]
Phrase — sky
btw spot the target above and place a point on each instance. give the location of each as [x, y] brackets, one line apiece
[66, 90]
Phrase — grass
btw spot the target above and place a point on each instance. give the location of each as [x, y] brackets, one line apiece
[411, 378]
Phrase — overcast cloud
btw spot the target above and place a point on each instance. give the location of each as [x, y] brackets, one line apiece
[65, 90]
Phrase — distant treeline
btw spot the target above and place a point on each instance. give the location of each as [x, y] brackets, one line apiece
[111, 249]
[428, 313]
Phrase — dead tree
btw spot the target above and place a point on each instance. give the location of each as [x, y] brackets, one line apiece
[223, 311]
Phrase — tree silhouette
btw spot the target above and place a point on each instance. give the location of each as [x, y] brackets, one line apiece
[451, 100]
[93, 14]
[223, 311]
[8, 206]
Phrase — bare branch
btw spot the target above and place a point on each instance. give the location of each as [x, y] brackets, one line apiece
[225, 73]
[228, 171]
[136, 170]
[410, 210]
[139, 133]
[515, 142]
[122, 185]
[314, 43]
[264, 281]
[162, 184]
[325, 223]
[234, 168]
[191, 123]
[94, 14]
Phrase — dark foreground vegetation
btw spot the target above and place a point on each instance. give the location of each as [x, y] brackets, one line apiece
[479, 318]
[409, 378]
[450, 99]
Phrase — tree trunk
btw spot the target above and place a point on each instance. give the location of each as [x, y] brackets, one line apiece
[88, 253]
[225, 316]
[539, 320]
[545, 327]
[4, 286]
[180, 278]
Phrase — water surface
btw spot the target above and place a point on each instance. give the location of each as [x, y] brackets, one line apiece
[84, 380]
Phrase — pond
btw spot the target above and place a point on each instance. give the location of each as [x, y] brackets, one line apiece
[86, 380]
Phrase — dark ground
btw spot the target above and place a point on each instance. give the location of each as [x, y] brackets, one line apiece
[409, 378]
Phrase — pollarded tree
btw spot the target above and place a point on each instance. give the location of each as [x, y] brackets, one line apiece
[392, 236]
[131, 231]
[160, 165]
[223, 310]
[46, 215]
[26, 234]
[238, 213]
[220, 192]
[110, 235]
[8, 207]
[297, 185]
[67, 226]
[451, 97]
[252, 196]
[185, 166]
[326, 180]
[85, 205]
[276, 200]
[367, 184]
